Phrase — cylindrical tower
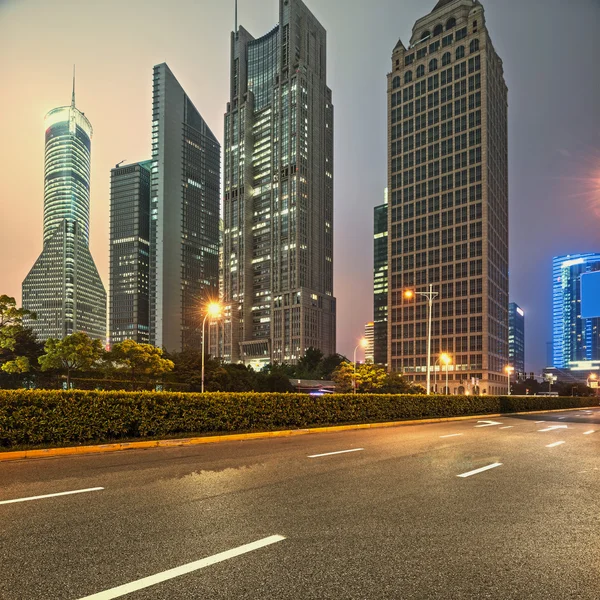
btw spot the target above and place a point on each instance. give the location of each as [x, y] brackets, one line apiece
[67, 170]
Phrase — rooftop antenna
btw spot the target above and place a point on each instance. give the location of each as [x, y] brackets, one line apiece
[236, 17]
[73, 96]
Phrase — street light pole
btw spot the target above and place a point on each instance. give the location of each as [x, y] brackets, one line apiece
[362, 344]
[213, 310]
[509, 371]
[430, 295]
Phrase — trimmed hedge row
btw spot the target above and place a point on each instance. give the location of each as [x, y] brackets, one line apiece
[38, 417]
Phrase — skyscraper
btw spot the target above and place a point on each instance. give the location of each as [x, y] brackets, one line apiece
[369, 336]
[380, 283]
[129, 306]
[64, 288]
[278, 193]
[448, 187]
[184, 216]
[516, 339]
[574, 338]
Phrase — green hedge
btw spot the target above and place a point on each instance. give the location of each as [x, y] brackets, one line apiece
[48, 418]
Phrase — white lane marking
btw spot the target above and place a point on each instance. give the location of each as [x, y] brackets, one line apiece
[98, 489]
[487, 424]
[332, 453]
[476, 471]
[539, 422]
[508, 427]
[555, 444]
[590, 432]
[146, 582]
[451, 435]
[561, 418]
[553, 427]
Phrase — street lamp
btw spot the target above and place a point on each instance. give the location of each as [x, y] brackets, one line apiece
[212, 310]
[362, 344]
[592, 377]
[446, 359]
[430, 295]
[509, 371]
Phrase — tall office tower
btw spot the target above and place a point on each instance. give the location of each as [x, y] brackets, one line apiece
[574, 338]
[63, 287]
[448, 215]
[369, 336]
[516, 339]
[380, 283]
[184, 216]
[129, 308]
[278, 193]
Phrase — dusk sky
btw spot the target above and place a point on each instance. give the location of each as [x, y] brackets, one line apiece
[550, 50]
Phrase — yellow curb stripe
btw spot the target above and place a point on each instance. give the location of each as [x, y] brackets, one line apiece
[239, 437]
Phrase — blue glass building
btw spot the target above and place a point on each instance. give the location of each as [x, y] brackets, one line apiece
[574, 338]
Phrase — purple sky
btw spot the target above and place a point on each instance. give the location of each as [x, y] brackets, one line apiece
[550, 51]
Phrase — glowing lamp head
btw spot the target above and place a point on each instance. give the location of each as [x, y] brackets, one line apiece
[593, 376]
[364, 343]
[214, 309]
[409, 294]
[445, 358]
[509, 370]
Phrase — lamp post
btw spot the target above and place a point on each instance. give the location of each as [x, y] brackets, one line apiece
[445, 358]
[362, 344]
[509, 371]
[430, 295]
[212, 310]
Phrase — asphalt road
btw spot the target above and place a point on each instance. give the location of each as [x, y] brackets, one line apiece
[392, 519]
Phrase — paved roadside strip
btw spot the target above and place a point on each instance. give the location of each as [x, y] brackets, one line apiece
[120, 446]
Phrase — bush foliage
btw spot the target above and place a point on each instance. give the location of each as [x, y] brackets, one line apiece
[38, 418]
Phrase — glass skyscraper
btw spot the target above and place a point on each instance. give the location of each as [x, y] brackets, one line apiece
[574, 338]
[184, 216]
[380, 283]
[278, 193]
[129, 307]
[64, 288]
[448, 199]
[516, 339]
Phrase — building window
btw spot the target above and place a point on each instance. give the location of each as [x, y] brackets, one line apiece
[438, 30]
[446, 59]
[396, 82]
[474, 46]
[420, 71]
[460, 52]
[452, 23]
[433, 65]
[407, 78]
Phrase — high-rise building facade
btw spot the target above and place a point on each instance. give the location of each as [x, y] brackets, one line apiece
[63, 288]
[184, 216]
[129, 306]
[278, 193]
[369, 337]
[516, 340]
[575, 339]
[380, 283]
[448, 190]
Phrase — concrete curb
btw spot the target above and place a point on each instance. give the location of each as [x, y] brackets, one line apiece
[216, 439]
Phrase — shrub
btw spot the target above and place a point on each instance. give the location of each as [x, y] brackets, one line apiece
[52, 417]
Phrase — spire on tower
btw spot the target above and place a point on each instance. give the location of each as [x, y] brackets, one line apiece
[236, 16]
[73, 95]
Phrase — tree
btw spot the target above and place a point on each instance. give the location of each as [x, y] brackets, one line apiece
[369, 378]
[12, 333]
[139, 360]
[308, 365]
[329, 364]
[394, 383]
[74, 353]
